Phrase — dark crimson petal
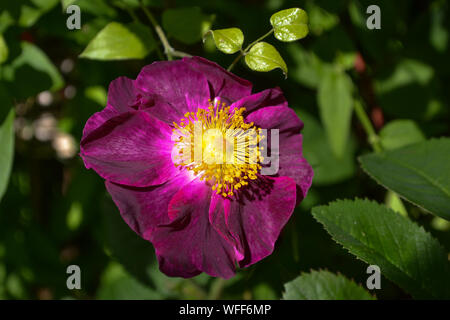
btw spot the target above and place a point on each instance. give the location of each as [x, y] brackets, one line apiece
[267, 98]
[290, 160]
[223, 84]
[189, 244]
[176, 83]
[257, 217]
[121, 93]
[99, 118]
[144, 209]
[281, 117]
[132, 149]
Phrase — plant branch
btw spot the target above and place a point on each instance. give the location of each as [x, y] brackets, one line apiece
[169, 51]
[245, 51]
[372, 137]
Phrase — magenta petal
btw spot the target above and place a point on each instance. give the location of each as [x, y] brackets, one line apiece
[223, 83]
[121, 93]
[144, 209]
[189, 244]
[281, 117]
[176, 83]
[257, 218]
[267, 98]
[132, 149]
[99, 118]
[290, 160]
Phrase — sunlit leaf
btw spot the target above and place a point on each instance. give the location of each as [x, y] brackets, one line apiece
[290, 24]
[117, 41]
[324, 285]
[264, 57]
[419, 173]
[228, 40]
[405, 253]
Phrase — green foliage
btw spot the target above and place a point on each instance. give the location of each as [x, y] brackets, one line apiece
[187, 25]
[117, 41]
[400, 133]
[6, 151]
[324, 285]
[290, 24]
[420, 173]
[229, 40]
[336, 105]
[3, 50]
[404, 252]
[54, 212]
[264, 57]
[34, 71]
[328, 168]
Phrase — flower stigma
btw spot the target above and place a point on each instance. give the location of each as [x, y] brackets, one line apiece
[219, 147]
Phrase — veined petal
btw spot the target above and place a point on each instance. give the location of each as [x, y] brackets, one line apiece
[132, 149]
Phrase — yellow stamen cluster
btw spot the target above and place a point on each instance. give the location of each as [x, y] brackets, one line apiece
[217, 145]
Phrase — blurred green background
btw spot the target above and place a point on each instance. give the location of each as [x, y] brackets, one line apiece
[55, 213]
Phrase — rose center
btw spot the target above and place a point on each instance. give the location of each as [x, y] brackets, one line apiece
[217, 145]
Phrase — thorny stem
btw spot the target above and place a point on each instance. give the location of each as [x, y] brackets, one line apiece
[168, 49]
[244, 52]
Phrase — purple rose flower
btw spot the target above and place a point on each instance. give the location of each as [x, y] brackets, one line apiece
[201, 216]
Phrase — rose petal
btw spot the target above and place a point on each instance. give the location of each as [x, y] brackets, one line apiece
[121, 93]
[267, 98]
[144, 209]
[189, 244]
[176, 83]
[99, 118]
[223, 83]
[256, 219]
[132, 149]
[289, 152]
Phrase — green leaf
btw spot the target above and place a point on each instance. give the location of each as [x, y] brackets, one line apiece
[405, 253]
[117, 42]
[320, 20]
[420, 173]
[328, 169]
[34, 71]
[228, 40]
[32, 11]
[324, 285]
[290, 24]
[117, 284]
[264, 57]
[335, 108]
[6, 151]
[184, 24]
[400, 133]
[3, 50]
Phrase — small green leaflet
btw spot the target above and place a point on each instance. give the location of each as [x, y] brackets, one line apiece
[290, 24]
[229, 40]
[264, 57]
